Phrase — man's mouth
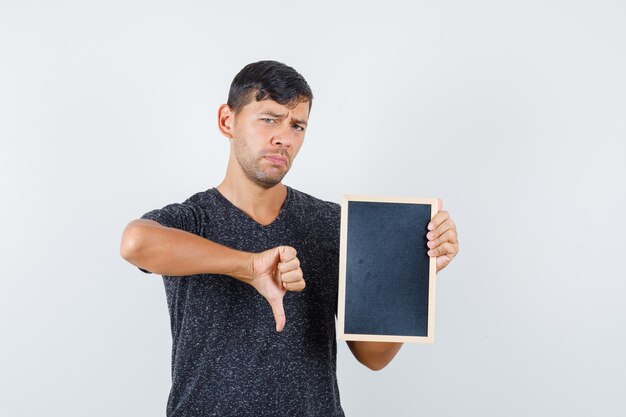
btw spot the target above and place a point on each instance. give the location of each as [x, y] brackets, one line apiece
[277, 159]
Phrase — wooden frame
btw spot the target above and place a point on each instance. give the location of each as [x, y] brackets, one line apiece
[422, 336]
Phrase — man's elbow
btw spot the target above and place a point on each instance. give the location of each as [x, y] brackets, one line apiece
[374, 355]
[131, 243]
[374, 365]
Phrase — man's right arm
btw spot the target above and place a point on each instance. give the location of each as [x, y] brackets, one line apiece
[168, 251]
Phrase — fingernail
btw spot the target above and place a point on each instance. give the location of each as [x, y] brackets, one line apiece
[430, 253]
[430, 235]
[431, 226]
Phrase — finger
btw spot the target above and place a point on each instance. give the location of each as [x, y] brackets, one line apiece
[446, 225]
[443, 249]
[279, 313]
[291, 276]
[448, 236]
[287, 253]
[439, 204]
[438, 219]
[289, 265]
[294, 286]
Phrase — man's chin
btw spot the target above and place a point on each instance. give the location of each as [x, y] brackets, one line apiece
[267, 182]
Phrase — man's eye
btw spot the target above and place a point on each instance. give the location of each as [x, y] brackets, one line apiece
[298, 128]
[268, 120]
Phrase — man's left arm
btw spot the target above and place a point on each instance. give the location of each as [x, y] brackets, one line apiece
[442, 243]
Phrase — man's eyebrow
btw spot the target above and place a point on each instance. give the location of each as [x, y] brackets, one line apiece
[282, 116]
[277, 115]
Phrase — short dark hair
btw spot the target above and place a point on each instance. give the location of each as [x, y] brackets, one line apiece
[268, 80]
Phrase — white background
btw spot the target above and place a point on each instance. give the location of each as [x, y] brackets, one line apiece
[512, 112]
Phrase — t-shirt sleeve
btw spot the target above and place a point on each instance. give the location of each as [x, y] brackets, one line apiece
[180, 216]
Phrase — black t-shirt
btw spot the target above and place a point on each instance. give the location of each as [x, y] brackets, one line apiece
[227, 358]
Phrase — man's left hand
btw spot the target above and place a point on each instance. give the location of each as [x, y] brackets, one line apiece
[442, 238]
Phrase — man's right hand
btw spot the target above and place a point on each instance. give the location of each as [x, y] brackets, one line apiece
[274, 272]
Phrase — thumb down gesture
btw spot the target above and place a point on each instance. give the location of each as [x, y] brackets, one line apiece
[274, 272]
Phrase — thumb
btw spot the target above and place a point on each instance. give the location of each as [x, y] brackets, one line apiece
[440, 204]
[279, 313]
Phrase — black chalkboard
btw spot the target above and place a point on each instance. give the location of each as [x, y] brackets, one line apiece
[387, 280]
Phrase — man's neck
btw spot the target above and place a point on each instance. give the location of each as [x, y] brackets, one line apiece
[262, 204]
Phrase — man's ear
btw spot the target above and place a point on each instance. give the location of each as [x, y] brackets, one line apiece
[226, 120]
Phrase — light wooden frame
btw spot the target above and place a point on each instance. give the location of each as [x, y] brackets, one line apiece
[429, 338]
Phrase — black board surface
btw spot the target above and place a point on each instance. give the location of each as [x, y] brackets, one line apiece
[387, 270]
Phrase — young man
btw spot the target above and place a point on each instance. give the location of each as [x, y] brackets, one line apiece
[250, 268]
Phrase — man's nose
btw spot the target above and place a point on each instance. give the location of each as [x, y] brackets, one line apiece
[283, 135]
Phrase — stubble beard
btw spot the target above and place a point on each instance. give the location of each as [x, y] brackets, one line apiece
[250, 164]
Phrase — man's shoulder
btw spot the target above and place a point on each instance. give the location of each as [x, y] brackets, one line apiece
[201, 198]
[307, 201]
[197, 203]
[319, 219]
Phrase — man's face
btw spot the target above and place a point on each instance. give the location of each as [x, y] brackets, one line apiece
[266, 139]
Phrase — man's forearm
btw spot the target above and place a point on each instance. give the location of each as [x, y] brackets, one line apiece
[167, 251]
[374, 355]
